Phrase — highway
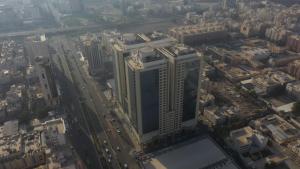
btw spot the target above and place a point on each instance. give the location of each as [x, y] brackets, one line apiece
[161, 24]
[107, 134]
[78, 132]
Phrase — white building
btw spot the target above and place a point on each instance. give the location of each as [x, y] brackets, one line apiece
[247, 140]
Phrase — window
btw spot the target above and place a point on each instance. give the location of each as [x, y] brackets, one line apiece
[150, 100]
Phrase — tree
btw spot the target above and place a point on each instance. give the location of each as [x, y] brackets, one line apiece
[296, 108]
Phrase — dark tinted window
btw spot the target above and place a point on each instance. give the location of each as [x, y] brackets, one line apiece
[190, 91]
[150, 100]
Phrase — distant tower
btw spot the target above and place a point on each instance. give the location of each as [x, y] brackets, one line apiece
[92, 51]
[36, 46]
[47, 80]
[37, 49]
[124, 7]
[76, 5]
[228, 4]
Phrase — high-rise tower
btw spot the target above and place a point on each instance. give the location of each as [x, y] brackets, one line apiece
[147, 86]
[37, 49]
[123, 47]
[47, 81]
[92, 51]
[162, 90]
[184, 69]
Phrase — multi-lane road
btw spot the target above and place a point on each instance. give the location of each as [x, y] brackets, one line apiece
[143, 26]
[78, 131]
[110, 141]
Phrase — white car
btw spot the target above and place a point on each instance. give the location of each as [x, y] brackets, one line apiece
[125, 165]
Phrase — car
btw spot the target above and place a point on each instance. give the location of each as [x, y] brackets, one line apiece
[109, 160]
[118, 148]
[105, 142]
[118, 131]
[107, 150]
[125, 165]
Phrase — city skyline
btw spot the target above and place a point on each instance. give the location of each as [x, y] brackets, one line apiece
[148, 84]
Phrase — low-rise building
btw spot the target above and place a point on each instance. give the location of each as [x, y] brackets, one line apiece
[295, 147]
[44, 146]
[15, 94]
[20, 150]
[294, 69]
[203, 153]
[293, 43]
[253, 28]
[283, 60]
[214, 116]
[277, 34]
[293, 89]
[233, 73]
[205, 98]
[197, 34]
[256, 54]
[5, 77]
[247, 140]
[15, 100]
[277, 128]
[281, 77]
[253, 149]
[269, 82]
[52, 132]
[220, 116]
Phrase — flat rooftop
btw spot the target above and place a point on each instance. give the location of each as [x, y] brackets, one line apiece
[201, 154]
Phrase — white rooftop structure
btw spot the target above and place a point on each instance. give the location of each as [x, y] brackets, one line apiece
[202, 154]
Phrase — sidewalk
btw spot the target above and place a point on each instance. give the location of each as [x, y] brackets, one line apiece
[128, 129]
